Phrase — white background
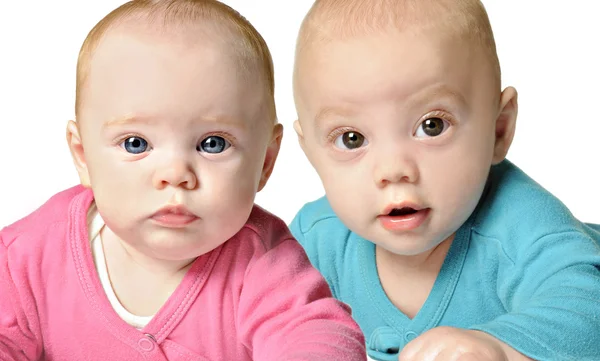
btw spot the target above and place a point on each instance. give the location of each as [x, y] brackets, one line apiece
[549, 50]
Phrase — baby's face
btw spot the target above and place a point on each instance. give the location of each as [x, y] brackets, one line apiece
[401, 129]
[170, 123]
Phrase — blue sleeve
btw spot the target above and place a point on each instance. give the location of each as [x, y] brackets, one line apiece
[309, 239]
[552, 296]
[295, 228]
[595, 228]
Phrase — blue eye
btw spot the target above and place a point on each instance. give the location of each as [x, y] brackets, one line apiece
[135, 145]
[213, 144]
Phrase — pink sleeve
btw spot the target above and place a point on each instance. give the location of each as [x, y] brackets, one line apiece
[286, 312]
[17, 340]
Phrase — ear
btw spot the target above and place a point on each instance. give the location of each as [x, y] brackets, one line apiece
[271, 156]
[76, 148]
[298, 129]
[505, 124]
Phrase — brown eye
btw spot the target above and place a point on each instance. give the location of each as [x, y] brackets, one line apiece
[350, 140]
[431, 127]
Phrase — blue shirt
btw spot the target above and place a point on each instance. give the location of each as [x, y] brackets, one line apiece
[521, 268]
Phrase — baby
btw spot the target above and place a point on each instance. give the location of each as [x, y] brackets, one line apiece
[160, 253]
[444, 249]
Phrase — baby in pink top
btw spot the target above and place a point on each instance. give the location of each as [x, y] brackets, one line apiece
[160, 253]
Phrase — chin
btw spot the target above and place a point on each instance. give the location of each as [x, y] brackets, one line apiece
[408, 250]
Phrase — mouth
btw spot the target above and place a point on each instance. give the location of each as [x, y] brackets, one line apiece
[174, 216]
[178, 210]
[403, 217]
[404, 211]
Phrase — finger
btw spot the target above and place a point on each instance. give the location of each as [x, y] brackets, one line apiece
[453, 354]
[469, 357]
[409, 352]
[412, 348]
[423, 350]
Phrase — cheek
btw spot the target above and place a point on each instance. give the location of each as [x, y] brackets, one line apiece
[232, 183]
[108, 163]
[122, 179]
[228, 192]
[349, 176]
[465, 162]
[457, 180]
[349, 188]
[121, 193]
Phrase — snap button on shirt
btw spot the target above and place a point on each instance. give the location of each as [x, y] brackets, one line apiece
[409, 336]
[146, 343]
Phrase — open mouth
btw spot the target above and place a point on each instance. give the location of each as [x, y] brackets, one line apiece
[404, 211]
[401, 219]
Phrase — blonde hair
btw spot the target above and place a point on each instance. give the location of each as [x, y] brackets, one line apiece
[166, 14]
[329, 20]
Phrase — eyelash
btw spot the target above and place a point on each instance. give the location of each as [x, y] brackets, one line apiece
[333, 135]
[123, 138]
[438, 114]
[230, 138]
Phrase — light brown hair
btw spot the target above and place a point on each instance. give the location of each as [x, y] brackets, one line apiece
[177, 14]
[329, 20]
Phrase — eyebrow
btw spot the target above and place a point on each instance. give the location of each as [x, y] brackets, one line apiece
[332, 112]
[127, 120]
[136, 119]
[442, 91]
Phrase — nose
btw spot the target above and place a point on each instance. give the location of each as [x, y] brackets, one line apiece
[395, 168]
[175, 174]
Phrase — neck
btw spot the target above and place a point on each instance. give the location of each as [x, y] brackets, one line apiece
[141, 282]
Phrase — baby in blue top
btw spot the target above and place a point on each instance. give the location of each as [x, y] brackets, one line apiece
[444, 249]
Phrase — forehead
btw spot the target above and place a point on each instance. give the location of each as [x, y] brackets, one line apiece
[390, 67]
[147, 72]
[136, 53]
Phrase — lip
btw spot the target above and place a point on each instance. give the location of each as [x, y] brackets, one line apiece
[400, 205]
[405, 222]
[174, 216]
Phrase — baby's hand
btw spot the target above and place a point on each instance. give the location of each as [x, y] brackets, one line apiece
[454, 344]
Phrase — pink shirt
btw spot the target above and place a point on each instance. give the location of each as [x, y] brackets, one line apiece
[256, 297]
